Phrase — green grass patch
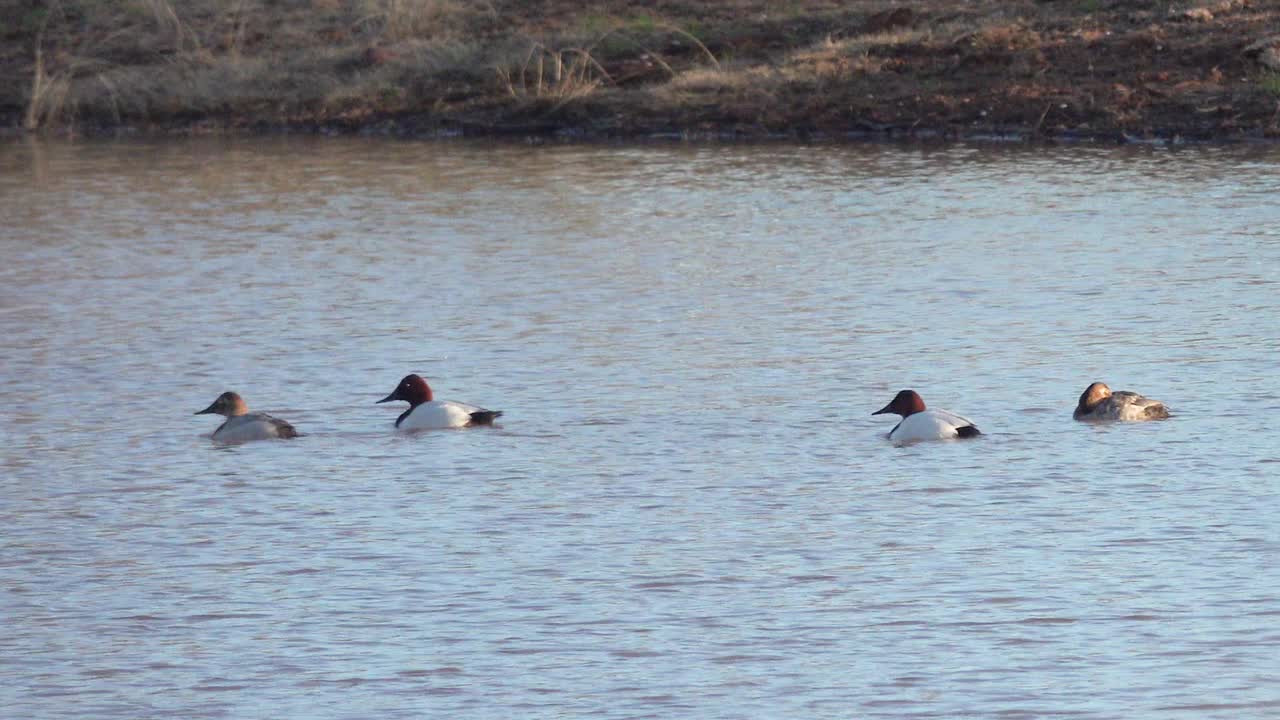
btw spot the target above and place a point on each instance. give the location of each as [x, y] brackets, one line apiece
[1270, 83]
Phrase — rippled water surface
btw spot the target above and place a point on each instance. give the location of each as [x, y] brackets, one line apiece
[687, 510]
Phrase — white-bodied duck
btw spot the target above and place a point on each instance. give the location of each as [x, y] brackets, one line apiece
[242, 425]
[919, 423]
[424, 413]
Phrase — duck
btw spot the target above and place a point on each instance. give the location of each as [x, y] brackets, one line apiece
[919, 423]
[242, 425]
[425, 413]
[1099, 404]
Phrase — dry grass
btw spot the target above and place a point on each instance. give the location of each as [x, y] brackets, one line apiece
[392, 21]
[836, 67]
[155, 58]
[559, 75]
[872, 52]
[168, 24]
[810, 63]
[1004, 39]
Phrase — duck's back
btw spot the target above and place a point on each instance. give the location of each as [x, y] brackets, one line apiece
[1125, 405]
[253, 426]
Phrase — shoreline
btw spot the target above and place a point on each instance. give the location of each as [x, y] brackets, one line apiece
[542, 134]
[1075, 71]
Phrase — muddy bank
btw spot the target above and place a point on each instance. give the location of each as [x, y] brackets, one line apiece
[1083, 70]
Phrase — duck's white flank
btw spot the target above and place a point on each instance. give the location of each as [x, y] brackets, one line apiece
[439, 414]
[930, 425]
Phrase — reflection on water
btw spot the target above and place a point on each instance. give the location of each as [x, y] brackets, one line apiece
[687, 510]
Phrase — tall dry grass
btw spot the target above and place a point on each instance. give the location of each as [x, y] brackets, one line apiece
[562, 75]
[394, 21]
[168, 23]
[103, 62]
[558, 75]
[180, 61]
[100, 62]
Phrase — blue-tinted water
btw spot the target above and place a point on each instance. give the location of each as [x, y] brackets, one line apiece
[688, 510]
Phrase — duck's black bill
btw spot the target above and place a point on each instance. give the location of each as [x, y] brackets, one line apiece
[388, 398]
[887, 409]
[209, 410]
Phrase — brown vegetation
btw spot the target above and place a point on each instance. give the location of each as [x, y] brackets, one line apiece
[1053, 68]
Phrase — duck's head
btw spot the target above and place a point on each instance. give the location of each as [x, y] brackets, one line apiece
[1094, 394]
[412, 389]
[906, 402]
[228, 403]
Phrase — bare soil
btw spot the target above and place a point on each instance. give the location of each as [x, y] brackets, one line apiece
[1054, 69]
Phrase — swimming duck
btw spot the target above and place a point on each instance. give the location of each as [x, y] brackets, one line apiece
[242, 425]
[1098, 404]
[919, 423]
[427, 414]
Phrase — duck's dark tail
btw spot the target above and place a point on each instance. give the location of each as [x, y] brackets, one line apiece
[968, 431]
[485, 417]
[283, 429]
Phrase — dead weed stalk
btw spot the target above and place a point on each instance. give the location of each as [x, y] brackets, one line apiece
[559, 75]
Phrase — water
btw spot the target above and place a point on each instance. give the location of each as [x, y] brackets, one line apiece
[688, 510]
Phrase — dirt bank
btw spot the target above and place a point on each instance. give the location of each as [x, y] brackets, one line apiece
[744, 68]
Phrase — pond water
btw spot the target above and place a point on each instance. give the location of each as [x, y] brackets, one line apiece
[687, 509]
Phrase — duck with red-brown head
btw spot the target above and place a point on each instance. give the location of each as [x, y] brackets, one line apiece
[427, 413]
[920, 423]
